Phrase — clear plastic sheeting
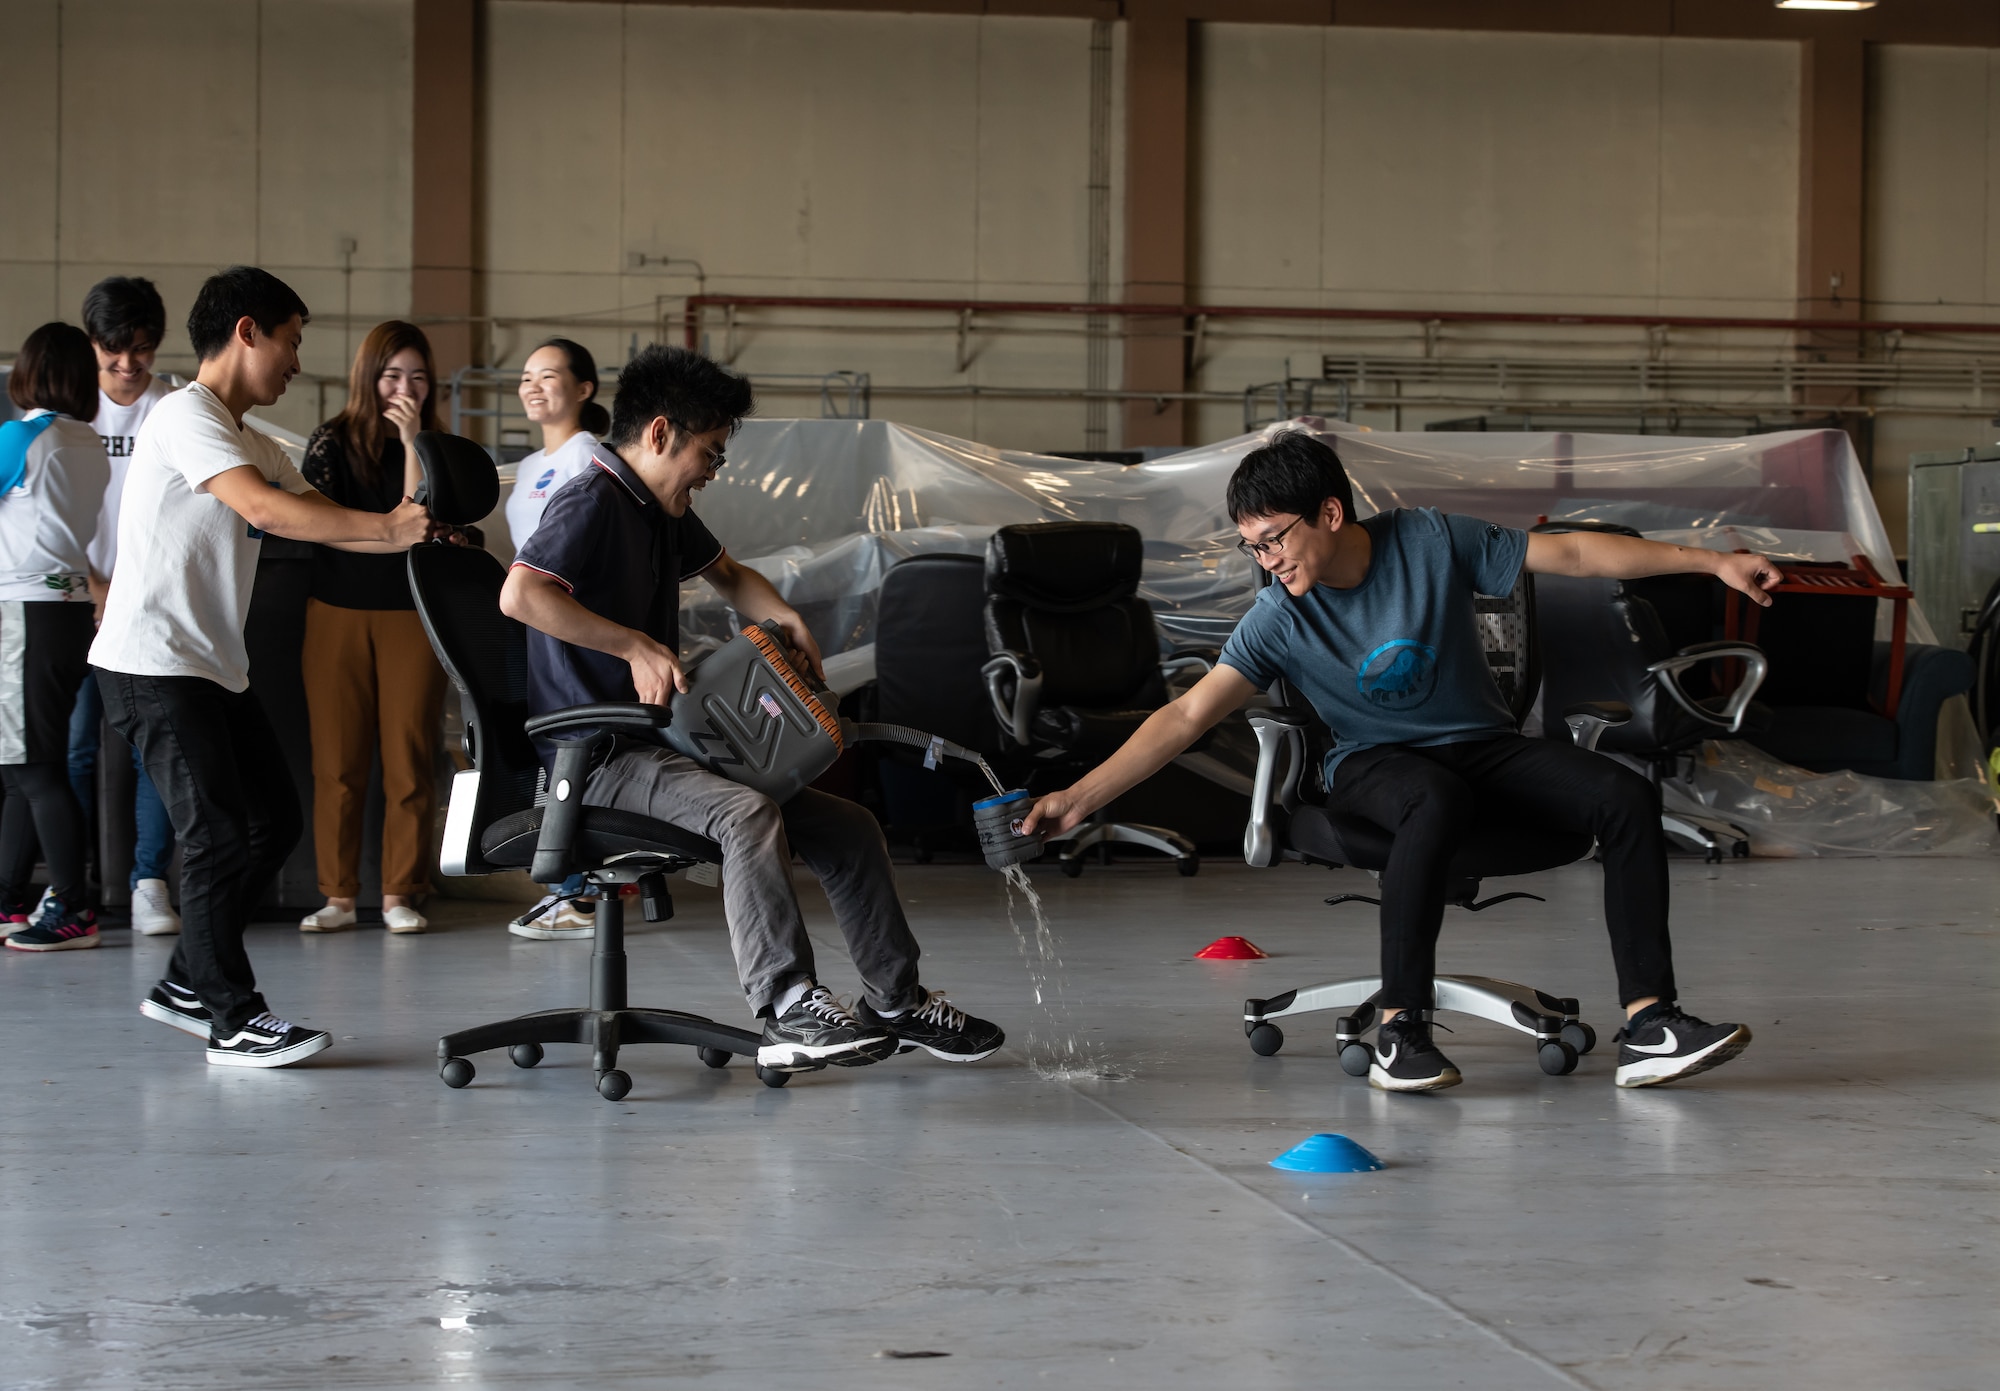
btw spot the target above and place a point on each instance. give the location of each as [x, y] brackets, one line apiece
[824, 507]
[1790, 813]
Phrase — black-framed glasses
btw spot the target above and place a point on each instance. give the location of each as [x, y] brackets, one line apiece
[716, 458]
[1257, 550]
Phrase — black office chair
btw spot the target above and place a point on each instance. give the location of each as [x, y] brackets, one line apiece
[1291, 820]
[1076, 663]
[1647, 643]
[497, 820]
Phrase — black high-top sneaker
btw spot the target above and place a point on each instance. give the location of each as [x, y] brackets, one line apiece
[940, 1027]
[1407, 1061]
[1660, 1044]
[819, 1030]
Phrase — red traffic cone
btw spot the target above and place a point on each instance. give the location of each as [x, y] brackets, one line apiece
[1231, 949]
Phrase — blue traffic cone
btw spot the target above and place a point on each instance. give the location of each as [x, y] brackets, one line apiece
[1327, 1154]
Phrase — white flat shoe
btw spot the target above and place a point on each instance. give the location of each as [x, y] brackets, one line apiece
[404, 920]
[328, 919]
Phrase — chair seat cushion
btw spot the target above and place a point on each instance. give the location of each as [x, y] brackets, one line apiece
[1492, 850]
[1094, 734]
[604, 835]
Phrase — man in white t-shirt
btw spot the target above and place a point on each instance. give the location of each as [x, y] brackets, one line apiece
[200, 493]
[126, 321]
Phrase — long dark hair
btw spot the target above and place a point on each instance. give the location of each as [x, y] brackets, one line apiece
[359, 425]
[593, 417]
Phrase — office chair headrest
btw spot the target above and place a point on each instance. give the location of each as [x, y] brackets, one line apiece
[1065, 567]
[461, 485]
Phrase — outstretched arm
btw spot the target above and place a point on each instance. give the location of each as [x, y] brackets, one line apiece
[1598, 555]
[1166, 732]
[316, 517]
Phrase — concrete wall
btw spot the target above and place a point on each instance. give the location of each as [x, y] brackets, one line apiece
[168, 140]
[872, 155]
[1933, 238]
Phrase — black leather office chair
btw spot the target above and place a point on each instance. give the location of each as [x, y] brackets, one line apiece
[1646, 643]
[1076, 663]
[497, 821]
[1291, 820]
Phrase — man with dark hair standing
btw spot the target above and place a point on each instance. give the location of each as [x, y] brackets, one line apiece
[1372, 621]
[202, 490]
[598, 585]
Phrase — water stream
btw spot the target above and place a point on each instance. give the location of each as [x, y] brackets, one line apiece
[1058, 1054]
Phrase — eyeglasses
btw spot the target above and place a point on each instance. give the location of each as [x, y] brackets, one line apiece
[1257, 550]
[715, 459]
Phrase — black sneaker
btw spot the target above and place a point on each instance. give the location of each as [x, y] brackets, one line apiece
[59, 929]
[179, 1008]
[819, 1030]
[1407, 1061]
[266, 1041]
[938, 1025]
[1660, 1044]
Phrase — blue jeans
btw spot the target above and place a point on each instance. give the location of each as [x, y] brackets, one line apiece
[153, 831]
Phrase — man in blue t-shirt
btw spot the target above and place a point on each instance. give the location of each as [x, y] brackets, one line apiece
[599, 586]
[1372, 621]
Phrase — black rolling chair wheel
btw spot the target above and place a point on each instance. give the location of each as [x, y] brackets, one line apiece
[1189, 866]
[1355, 1059]
[714, 1057]
[1072, 866]
[1266, 1039]
[525, 1054]
[456, 1073]
[1557, 1058]
[613, 1085]
[1579, 1036]
[771, 1077]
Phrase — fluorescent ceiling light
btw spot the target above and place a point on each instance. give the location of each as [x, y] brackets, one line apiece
[1826, 4]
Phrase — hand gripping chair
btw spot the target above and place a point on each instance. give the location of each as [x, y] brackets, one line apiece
[1076, 660]
[494, 822]
[1290, 820]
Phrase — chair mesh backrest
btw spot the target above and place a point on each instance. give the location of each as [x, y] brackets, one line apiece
[1508, 632]
[485, 653]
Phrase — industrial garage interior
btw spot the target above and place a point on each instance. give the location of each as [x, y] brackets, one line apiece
[1655, 312]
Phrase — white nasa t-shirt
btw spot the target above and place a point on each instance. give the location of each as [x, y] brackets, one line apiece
[538, 476]
[118, 426]
[187, 559]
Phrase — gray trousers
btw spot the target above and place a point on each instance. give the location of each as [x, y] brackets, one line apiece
[839, 842]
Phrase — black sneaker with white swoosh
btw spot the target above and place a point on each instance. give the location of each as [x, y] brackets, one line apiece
[1407, 1061]
[266, 1041]
[1662, 1043]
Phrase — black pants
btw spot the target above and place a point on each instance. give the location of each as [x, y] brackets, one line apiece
[40, 803]
[218, 767]
[1430, 797]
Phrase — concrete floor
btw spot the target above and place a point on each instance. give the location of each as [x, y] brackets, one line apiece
[1820, 1213]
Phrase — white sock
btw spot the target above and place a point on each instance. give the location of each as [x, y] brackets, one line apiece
[793, 994]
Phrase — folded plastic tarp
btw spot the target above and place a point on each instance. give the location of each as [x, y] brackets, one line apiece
[824, 507]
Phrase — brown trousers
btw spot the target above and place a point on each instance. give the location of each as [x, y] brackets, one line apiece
[372, 680]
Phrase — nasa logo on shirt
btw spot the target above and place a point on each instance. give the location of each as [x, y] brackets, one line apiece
[541, 488]
[1399, 675]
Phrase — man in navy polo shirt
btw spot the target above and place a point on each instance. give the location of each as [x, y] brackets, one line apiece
[598, 585]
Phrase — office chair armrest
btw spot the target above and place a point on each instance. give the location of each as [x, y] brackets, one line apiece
[1185, 661]
[1730, 718]
[563, 813]
[1014, 685]
[1274, 792]
[1588, 721]
[624, 716]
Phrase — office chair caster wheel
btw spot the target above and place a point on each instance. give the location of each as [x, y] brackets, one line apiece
[1188, 865]
[771, 1077]
[525, 1054]
[1266, 1039]
[613, 1085]
[1740, 850]
[1355, 1059]
[1579, 1036]
[714, 1057]
[1072, 866]
[1557, 1058]
[456, 1073]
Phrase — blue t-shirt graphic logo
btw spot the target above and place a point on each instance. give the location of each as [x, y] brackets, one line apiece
[1399, 675]
[542, 483]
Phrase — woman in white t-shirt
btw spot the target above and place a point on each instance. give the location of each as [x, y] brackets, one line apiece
[53, 472]
[559, 390]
